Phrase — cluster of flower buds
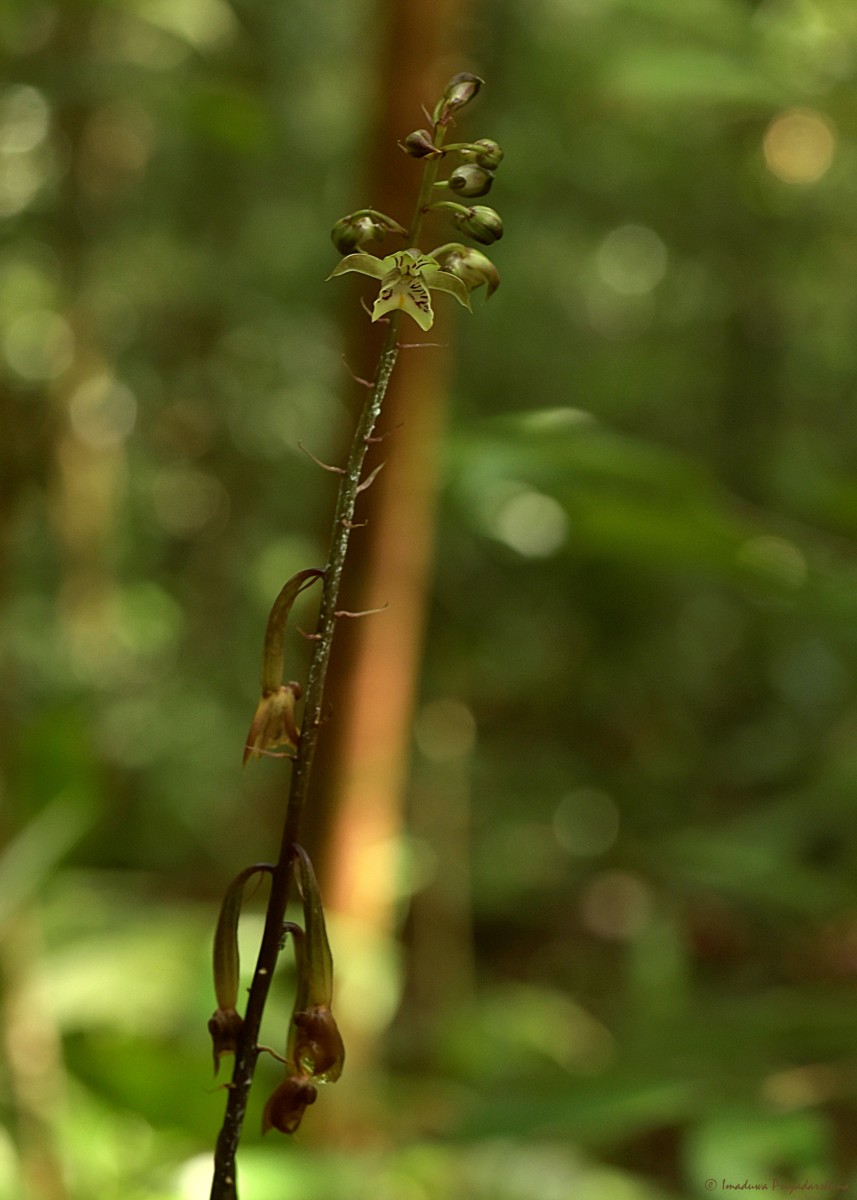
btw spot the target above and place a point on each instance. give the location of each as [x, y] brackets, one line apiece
[407, 277]
[314, 1051]
[474, 176]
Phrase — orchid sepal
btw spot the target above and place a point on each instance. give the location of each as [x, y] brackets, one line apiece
[363, 264]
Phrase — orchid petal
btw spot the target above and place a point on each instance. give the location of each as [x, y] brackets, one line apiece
[363, 264]
[443, 281]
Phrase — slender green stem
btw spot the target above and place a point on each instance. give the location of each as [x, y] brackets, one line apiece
[224, 1184]
[452, 205]
[429, 177]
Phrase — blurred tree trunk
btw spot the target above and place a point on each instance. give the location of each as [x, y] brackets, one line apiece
[78, 485]
[376, 660]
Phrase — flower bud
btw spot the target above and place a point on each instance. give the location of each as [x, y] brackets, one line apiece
[288, 1102]
[471, 266]
[490, 155]
[352, 232]
[470, 180]
[481, 223]
[419, 144]
[459, 91]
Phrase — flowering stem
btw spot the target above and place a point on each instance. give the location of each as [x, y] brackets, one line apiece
[224, 1185]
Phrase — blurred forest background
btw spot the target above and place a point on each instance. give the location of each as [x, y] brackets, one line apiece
[595, 922]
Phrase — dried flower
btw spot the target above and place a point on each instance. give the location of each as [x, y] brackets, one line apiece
[315, 1043]
[318, 1045]
[288, 1102]
[225, 1024]
[225, 1027]
[274, 723]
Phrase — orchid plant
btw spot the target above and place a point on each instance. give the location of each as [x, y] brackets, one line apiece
[407, 278]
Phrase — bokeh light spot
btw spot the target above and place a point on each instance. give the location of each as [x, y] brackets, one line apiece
[24, 119]
[586, 822]
[115, 148]
[277, 562]
[102, 412]
[556, 420]
[24, 126]
[186, 499]
[632, 260]
[39, 345]
[799, 146]
[445, 730]
[774, 559]
[533, 524]
[616, 905]
[200, 22]
[21, 177]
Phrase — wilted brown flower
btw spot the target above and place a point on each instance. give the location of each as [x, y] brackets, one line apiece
[274, 723]
[318, 1045]
[225, 1028]
[288, 1102]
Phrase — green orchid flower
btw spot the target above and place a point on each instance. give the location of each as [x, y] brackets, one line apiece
[407, 279]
